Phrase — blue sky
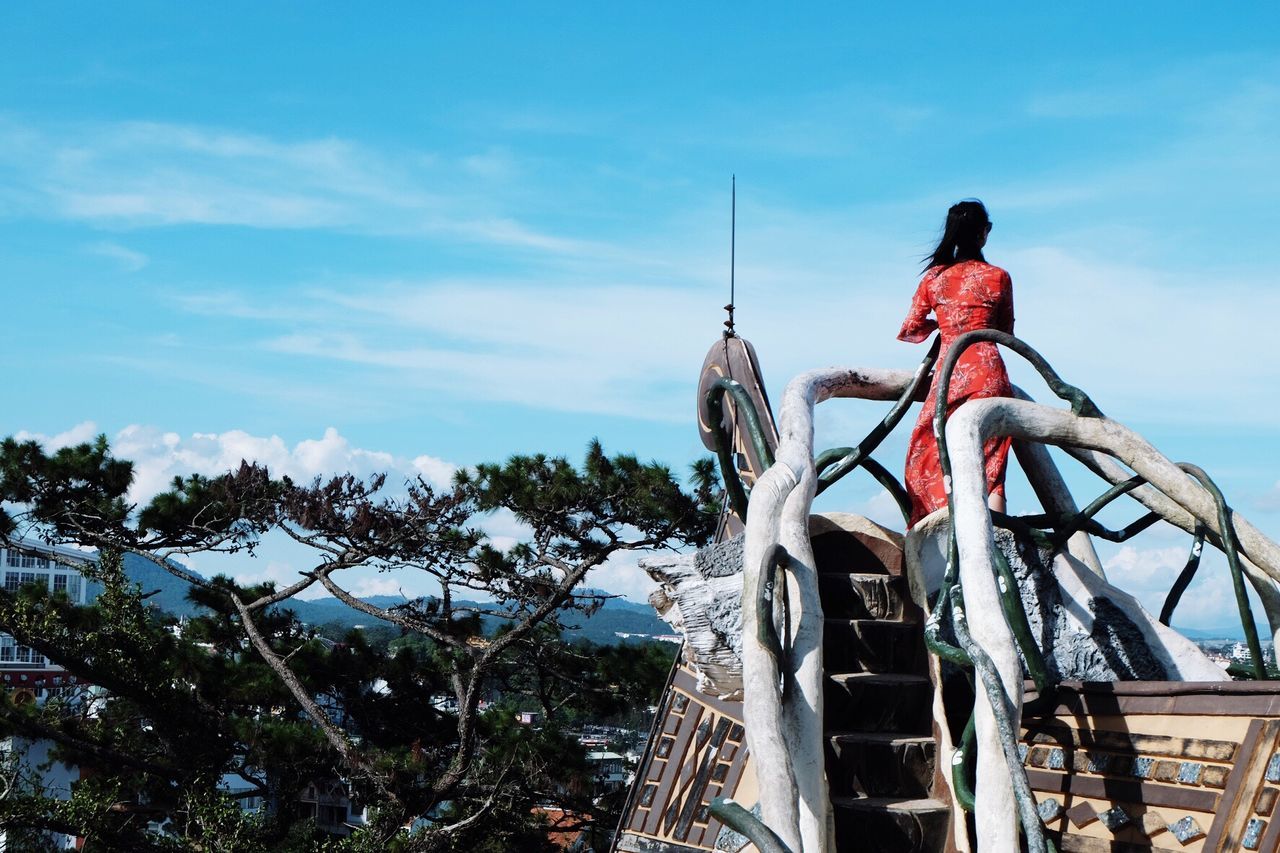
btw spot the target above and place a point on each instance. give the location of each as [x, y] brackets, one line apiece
[413, 236]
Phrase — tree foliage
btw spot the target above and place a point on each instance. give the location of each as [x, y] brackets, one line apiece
[246, 690]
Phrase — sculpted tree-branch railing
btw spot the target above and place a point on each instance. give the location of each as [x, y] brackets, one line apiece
[782, 620]
[784, 727]
[976, 422]
[1002, 783]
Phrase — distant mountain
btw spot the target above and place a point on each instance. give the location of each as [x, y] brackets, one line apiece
[164, 590]
[618, 615]
[1233, 633]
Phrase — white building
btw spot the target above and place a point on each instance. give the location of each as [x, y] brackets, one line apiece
[608, 769]
[23, 669]
[29, 677]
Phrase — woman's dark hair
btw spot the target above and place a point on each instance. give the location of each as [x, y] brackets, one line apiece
[967, 224]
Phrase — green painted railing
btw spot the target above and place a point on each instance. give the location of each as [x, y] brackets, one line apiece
[713, 405]
[745, 823]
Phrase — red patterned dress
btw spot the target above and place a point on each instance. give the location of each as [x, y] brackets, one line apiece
[964, 296]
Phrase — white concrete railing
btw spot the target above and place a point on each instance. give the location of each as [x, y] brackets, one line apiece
[1171, 493]
[784, 733]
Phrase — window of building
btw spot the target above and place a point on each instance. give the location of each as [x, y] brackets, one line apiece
[19, 560]
[14, 580]
[26, 654]
[327, 815]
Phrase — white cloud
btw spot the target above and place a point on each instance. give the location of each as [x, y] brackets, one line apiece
[1148, 573]
[1140, 340]
[147, 174]
[381, 585]
[1146, 343]
[623, 576]
[158, 456]
[883, 510]
[78, 434]
[251, 571]
[127, 259]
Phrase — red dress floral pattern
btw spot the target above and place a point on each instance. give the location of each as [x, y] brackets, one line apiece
[964, 296]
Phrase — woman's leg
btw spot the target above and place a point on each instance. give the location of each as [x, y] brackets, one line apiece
[996, 502]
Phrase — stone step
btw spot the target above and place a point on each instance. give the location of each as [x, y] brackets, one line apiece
[864, 596]
[878, 702]
[890, 825]
[872, 645]
[879, 764]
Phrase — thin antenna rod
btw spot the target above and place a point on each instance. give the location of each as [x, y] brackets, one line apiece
[733, 251]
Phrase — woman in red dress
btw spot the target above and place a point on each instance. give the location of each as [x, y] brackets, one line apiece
[964, 293]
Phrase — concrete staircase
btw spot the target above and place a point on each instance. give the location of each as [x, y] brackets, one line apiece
[880, 746]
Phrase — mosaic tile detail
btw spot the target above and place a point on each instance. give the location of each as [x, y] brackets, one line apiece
[1082, 815]
[1153, 824]
[1266, 801]
[1115, 818]
[1049, 809]
[1099, 762]
[1142, 767]
[1189, 772]
[1273, 768]
[1057, 760]
[1022, 752]
[1215, 777]
[1038, 757]
[1186, 830]
[1253, 833]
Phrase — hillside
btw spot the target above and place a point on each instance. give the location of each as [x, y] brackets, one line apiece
[618, 615]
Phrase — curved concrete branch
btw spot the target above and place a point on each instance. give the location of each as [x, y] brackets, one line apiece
[1254, 545]
[784, 733]
[1171, 492]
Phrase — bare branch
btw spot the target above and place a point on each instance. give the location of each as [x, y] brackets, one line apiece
[336, 737]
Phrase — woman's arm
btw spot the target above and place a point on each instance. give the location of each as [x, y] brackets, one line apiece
[919, 325]
[1004, 319]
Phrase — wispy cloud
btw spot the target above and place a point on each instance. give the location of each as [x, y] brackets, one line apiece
[1143, 340]
[149, 174]
[127, 259]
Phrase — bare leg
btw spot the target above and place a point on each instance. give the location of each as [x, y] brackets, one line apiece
[996, 502]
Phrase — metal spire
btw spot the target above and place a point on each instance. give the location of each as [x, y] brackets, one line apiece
[733, 239]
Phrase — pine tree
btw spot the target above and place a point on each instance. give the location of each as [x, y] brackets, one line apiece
[245, 689]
